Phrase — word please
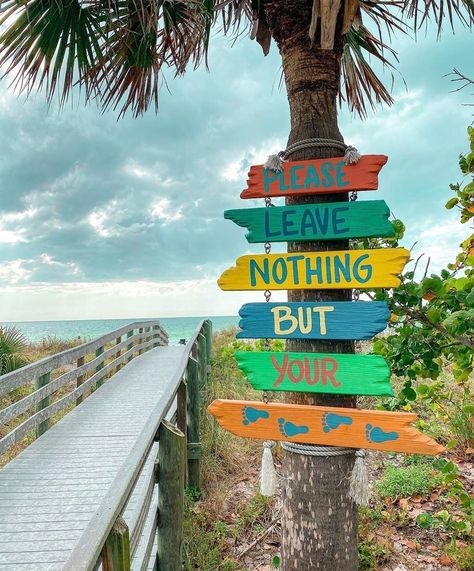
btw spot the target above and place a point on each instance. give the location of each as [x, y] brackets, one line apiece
[320, 370]
[302, 177]
[321, 269]
[303, 319]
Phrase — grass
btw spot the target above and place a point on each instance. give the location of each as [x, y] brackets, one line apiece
[406, 481]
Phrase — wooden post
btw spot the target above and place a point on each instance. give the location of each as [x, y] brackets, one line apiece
[100, 366]
[42, 381]
[118, 340]
[171, 461]
[208, 335]
[140, 340]
[116, 550]
[130, 345]
[80, 379]
[194, 444]
[182, 417]
[202, 358]
[156, 336]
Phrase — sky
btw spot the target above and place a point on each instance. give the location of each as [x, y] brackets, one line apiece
[102, 218]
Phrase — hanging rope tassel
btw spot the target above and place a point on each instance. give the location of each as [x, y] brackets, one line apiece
[351, 156]
[359, 484]
[268, 477]
[274, 163]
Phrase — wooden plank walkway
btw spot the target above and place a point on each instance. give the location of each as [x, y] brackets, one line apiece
[51, 490]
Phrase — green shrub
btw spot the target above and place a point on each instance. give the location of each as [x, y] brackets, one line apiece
[405, 481]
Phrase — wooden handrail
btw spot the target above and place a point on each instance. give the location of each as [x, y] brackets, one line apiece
[87, 551]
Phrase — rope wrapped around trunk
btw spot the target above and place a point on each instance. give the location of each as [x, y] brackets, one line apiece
[275, 162]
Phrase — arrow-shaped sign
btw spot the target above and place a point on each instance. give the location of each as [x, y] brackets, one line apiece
[380, 430]
[320, 176]
[313, 320]
[330, 221]
[317, 270]
[331, 373]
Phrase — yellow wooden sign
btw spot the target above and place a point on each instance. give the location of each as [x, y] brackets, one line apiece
[329, 426]
[317, 270]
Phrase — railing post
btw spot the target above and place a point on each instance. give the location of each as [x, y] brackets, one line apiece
[100, 366]
[42, 381]
[182, 417]
[194, 444]
[130, 345]
[118, 340]
[208, 335]
[156, 336]
[171, 462]
[116, 550]
[202, 358]
[140, 340]
[80, 378]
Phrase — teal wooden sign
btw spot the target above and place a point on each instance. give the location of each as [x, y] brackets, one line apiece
[316, 372]
[331, 221]
[313, 320]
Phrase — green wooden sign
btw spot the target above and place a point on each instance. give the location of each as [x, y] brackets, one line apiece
[331, 221]
[316, 372]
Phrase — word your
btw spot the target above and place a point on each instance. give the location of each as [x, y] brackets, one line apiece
[320, 370]
[302, 177]
[303, 320]
[321, 269]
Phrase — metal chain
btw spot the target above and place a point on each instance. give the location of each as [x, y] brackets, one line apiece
[267, 293]
[355, 294]
[353, 196]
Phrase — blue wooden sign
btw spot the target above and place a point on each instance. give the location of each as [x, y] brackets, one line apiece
[313, 320]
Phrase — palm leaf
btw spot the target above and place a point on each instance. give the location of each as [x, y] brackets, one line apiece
[13, 345]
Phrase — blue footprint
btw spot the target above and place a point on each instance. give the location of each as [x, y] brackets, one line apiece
[251, 414]
[376, 434]
[332, 421]
[287, 428]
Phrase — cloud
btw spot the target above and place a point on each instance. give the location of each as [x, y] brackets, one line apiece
[85, 199]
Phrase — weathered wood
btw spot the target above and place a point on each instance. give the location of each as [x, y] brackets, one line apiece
[116, 552]
[118, 341]
[202, 358]
[182, 416]
[99, 351]
[80, 379]
[317, 270]
[27, 374]
[208, 334]
[313, 320]
[15, 409]
[130, 345]
[43, 426]
[194, 462]
[320, 176]
[331, 221]
[330, 373]
[329, 426]
[140, 332]
[172, 458]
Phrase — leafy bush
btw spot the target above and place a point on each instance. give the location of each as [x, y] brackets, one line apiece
[13, 347]
[417, 479]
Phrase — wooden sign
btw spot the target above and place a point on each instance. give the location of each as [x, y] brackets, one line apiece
[320, 176]
[313, 320]
[331, 221]
[343, 374]
[317, 270]
[329, 426]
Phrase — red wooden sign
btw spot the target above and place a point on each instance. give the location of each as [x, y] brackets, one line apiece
[319, 176]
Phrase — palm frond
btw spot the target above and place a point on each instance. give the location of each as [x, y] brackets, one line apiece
[437, 11]
[13, 345]
[360, 84]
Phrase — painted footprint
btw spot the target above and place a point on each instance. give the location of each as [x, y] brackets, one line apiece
[376, 434]
[251, 414]
[331, 421]
[287, 428]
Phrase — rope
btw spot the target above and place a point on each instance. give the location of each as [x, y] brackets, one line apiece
[308, 450]
[275, 162]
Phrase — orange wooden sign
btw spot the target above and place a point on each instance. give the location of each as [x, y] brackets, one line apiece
[320, 176]
[329, 426]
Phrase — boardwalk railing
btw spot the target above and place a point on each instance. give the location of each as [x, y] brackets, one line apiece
[136, 522]
[85, 367]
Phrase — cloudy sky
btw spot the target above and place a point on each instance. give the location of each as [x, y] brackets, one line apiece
[107, 219]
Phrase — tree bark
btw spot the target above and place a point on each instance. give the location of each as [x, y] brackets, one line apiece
[319, 524]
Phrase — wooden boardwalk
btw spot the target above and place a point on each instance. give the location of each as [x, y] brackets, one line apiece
[64, 492]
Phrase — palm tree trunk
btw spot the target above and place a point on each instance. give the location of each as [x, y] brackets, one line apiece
[319, 525]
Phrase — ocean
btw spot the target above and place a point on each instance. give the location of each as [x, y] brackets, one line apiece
[87, 329]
